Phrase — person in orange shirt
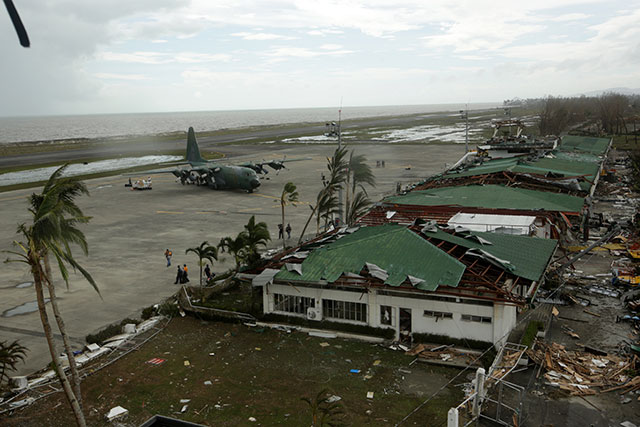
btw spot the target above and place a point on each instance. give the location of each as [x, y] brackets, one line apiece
[185, 275]
[168, 255]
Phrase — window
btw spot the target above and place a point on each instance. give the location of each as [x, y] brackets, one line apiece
[438, 314]
[479, 319]
[292, 304]
[344, 310]
[386, 315]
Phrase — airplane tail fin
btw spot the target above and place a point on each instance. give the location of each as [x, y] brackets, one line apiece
[193, 152]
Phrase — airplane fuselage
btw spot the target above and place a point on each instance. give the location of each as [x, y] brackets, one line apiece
[219, 177]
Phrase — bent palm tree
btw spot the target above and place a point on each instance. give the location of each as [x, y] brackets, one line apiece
[55, 216]
[289, 196]
[337, 166]
[204, 251]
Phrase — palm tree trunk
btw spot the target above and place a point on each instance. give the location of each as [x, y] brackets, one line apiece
[283, 241]
[201, 276]
[307, 223]
[38, 276]
[75, 376]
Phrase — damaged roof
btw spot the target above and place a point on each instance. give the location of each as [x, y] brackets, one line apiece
[560, 164]
[528, 257]
[586, 144]
[492, 197]
[400, 252]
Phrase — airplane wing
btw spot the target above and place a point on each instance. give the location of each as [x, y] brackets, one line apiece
[259, 167]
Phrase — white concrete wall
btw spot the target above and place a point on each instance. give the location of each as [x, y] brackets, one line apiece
[503, 317]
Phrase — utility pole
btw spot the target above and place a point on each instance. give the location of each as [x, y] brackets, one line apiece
[340, 217]
[464, 114]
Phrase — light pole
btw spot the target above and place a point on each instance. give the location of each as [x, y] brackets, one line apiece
[333, 129]
[464, 114]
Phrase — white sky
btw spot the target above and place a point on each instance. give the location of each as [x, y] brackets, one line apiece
[113, 56]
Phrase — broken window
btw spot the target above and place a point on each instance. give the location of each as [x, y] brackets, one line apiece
[386, 315]
[438, 314]
[344, 310]
[479, 319]
[292, 304]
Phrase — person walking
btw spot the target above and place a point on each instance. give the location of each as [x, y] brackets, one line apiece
[280, 231]
[207, 273]
[168, 255]
[179, 275]
[288, 230]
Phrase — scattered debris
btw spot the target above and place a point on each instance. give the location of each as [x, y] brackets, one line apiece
[369, 395]
[156, 361]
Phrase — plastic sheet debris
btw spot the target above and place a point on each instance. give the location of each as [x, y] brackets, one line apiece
[207, 382]
[187, 363]
[354, 371]
[369, 395]
[156, 361]
[116, 412]
[252, 419]
[333, 399]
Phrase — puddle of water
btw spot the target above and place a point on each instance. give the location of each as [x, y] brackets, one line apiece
[24, 285]
[27, 307]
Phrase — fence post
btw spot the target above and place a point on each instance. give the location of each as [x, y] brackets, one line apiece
[452, 417]
[479, 397]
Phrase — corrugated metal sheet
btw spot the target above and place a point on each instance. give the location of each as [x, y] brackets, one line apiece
[584, 143]
[491, 196]
[528, 255]
[393, 248]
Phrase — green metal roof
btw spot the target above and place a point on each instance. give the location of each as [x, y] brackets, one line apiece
[492, 197]
[393, 248]
[527, 256]
[584, 143]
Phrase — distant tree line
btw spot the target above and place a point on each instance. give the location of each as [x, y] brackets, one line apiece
[608, 114]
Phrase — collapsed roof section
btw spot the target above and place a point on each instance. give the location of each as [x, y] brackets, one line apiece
[492, 197]
[423, 258]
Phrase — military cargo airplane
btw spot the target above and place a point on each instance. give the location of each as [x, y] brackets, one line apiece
[216, 175]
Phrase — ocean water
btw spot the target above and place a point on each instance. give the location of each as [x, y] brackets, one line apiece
[48, 128]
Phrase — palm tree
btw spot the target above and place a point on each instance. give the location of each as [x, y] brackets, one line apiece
[359, 206]
[55, 216]
[254, 235]
[10, 355]
[324, 411]
[204, 251]
[289, 195]
[337, 166]
[234, 247]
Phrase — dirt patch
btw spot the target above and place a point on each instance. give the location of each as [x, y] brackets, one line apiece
[422, 383]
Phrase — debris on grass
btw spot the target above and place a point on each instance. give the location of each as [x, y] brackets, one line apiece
[116, 412]
[156, 361]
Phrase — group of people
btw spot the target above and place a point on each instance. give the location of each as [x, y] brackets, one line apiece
[183, 271]
[281, 231]
[183, 274]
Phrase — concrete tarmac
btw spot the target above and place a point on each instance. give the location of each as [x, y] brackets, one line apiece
[130, 230]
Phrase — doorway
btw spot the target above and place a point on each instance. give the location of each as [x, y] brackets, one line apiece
[405, 325]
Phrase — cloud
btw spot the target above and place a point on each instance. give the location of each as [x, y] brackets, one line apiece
[261, 36]
[282, 52]
[114, 76]
[163, 57]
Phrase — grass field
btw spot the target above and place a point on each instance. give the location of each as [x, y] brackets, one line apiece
[254, 372]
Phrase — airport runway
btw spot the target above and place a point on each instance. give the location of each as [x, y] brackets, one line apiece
[131, 229]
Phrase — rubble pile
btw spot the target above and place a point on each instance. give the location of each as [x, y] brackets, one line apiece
[581, 373]
[445, 354]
